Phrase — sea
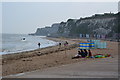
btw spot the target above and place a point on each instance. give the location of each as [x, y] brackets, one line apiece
[13, 43]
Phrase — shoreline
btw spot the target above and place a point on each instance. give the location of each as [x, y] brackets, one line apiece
[37, 52]
[29, 50]
[49, 57]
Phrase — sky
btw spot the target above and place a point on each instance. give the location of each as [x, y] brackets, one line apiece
[26, 17]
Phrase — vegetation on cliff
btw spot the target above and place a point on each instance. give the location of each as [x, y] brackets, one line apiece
[102, 24]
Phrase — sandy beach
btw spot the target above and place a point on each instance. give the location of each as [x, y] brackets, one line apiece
[51, 57]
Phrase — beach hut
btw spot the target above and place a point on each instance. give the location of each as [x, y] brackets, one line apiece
[102, 36]
[94, 35]
[81, 35]
[98, 36]
[87, 36]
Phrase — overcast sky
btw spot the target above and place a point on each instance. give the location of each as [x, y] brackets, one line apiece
[26, 17]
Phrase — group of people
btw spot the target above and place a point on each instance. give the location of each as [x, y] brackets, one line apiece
[65, 44]
[83, 53]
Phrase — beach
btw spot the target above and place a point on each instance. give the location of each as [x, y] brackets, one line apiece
[53, 56]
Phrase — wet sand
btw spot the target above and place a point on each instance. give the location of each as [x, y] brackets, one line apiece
[50, 57]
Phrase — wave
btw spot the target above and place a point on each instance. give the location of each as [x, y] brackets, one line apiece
[13, 43]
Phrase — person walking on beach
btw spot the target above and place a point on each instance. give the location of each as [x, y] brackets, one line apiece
[60, 45]
[39, 45]
[65, 45]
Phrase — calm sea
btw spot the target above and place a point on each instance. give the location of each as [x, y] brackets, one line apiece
[12, 43]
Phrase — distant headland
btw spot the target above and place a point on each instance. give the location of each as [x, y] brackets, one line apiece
[102, 24]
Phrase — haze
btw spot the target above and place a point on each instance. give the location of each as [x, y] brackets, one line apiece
[26, 17]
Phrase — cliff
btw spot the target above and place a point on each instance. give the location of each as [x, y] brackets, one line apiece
[102, 24]
[47, 31]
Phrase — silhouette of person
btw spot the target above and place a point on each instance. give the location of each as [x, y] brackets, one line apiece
[39, 45]
[90, 53]
[77, 56]
[85, 52]
[60, 45]
[66, 43]
[81, 53]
